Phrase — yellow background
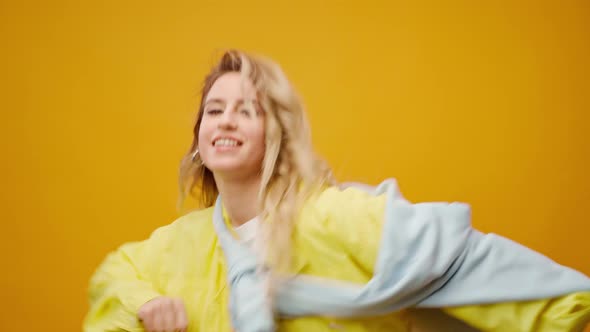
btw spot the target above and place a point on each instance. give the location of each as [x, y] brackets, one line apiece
[483, 102]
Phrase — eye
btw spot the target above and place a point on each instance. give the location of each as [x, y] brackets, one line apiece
[214, 111]
[245, 112]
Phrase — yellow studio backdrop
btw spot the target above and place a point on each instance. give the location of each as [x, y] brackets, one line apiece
[459, 100]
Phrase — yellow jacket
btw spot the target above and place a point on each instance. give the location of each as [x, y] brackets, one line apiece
[337, 236]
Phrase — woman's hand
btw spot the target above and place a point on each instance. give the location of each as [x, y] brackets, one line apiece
[163, 314]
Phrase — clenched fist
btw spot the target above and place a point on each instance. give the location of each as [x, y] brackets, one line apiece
[163, 314]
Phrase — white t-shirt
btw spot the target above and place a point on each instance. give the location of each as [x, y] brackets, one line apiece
[247, 231]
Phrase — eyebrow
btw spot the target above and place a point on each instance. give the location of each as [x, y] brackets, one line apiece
[214, 100]
[221, 101]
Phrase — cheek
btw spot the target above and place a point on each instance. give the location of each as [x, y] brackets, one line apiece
[259, 139]
[204, 135]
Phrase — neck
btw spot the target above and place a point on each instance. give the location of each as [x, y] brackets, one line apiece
[239, 197]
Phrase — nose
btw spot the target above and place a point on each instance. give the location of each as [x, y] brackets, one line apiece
[228, 120]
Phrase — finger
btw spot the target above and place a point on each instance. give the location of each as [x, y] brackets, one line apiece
[146, 309]
[180, 311]
[157, 318]
[168, 316]
[143, 311]
[145, 315]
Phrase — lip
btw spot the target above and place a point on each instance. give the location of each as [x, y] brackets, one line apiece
[226, 148]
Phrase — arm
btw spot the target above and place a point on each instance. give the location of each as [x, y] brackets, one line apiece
[355, 219]
[566, 313]
[119, 287]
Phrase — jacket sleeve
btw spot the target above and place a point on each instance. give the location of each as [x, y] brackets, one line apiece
[355, 218]
[566, 313]
[120, 286]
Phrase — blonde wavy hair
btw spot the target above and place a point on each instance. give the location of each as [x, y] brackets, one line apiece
[291, 171]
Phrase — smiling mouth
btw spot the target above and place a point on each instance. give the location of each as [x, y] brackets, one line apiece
[226, 142]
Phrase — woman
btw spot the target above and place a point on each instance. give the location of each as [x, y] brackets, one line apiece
[270, 212]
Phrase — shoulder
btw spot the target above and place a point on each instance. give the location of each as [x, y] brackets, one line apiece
[337, 220]
[191, 226]
[339, 200]
[178, 236]
[335, 209]
[195, 222]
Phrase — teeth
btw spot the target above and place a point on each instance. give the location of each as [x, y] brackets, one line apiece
[226, 142]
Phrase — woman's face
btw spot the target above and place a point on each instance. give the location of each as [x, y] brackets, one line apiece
[231, 134]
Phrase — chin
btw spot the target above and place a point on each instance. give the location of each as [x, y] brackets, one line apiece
[227, 168]
[234, 168]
